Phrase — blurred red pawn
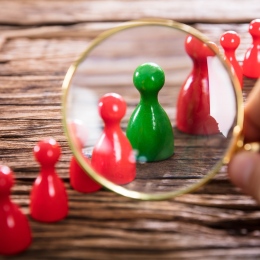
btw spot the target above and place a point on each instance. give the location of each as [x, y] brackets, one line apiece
[230, 41]
[15, 232]
[251, 64]
[49, 202]
[193, 104]
[79, 180]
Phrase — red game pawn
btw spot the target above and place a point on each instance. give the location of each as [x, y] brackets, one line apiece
[251, 64]
[79, 180]
[15, 232]
[113, 156]
[230, 40]
[49, 202]
[193, 104]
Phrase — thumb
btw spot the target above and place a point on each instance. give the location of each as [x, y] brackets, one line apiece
[244, 172]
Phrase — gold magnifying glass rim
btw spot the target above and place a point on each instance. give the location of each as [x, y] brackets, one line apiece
[136, 194]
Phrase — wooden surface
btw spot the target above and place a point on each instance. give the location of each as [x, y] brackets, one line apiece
[39, 40]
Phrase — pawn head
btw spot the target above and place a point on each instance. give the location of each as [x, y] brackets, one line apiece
[254, 28]
[197, 49]
[112, 107]
[229, 40]
[6, 179]
[149, 77]
[47, 152]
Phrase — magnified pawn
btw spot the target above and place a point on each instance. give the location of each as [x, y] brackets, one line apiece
[251, 64]
[113, 156]
[193, 104]
[48, 201]
[15, 232]
[149, 129]
[230, 41]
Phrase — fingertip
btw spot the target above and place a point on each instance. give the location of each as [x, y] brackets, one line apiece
[244, 172]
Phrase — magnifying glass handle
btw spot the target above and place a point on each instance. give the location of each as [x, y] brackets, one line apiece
[239, 145]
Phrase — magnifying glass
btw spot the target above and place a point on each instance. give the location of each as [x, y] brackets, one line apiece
[174, 98]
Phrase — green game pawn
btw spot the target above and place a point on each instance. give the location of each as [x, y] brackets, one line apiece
[149, 129]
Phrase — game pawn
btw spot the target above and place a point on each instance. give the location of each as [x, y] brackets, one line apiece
[230, 40]
[48, 201]
[79, 179]
[149, 129]
[15, 232]
[251, 63]
[113, 156]
[193, 104]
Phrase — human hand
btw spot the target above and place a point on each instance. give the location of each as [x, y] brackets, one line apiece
[244, 167]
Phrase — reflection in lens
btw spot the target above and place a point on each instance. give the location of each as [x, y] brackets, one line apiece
[197, 96]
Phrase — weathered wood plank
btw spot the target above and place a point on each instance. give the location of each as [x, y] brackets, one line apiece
[113, 223]
[90, 30]
[64, 12]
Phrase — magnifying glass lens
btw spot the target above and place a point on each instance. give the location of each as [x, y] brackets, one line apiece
[151, 108]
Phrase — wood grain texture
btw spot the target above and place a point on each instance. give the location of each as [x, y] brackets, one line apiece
[39, 40]
[66, 12]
